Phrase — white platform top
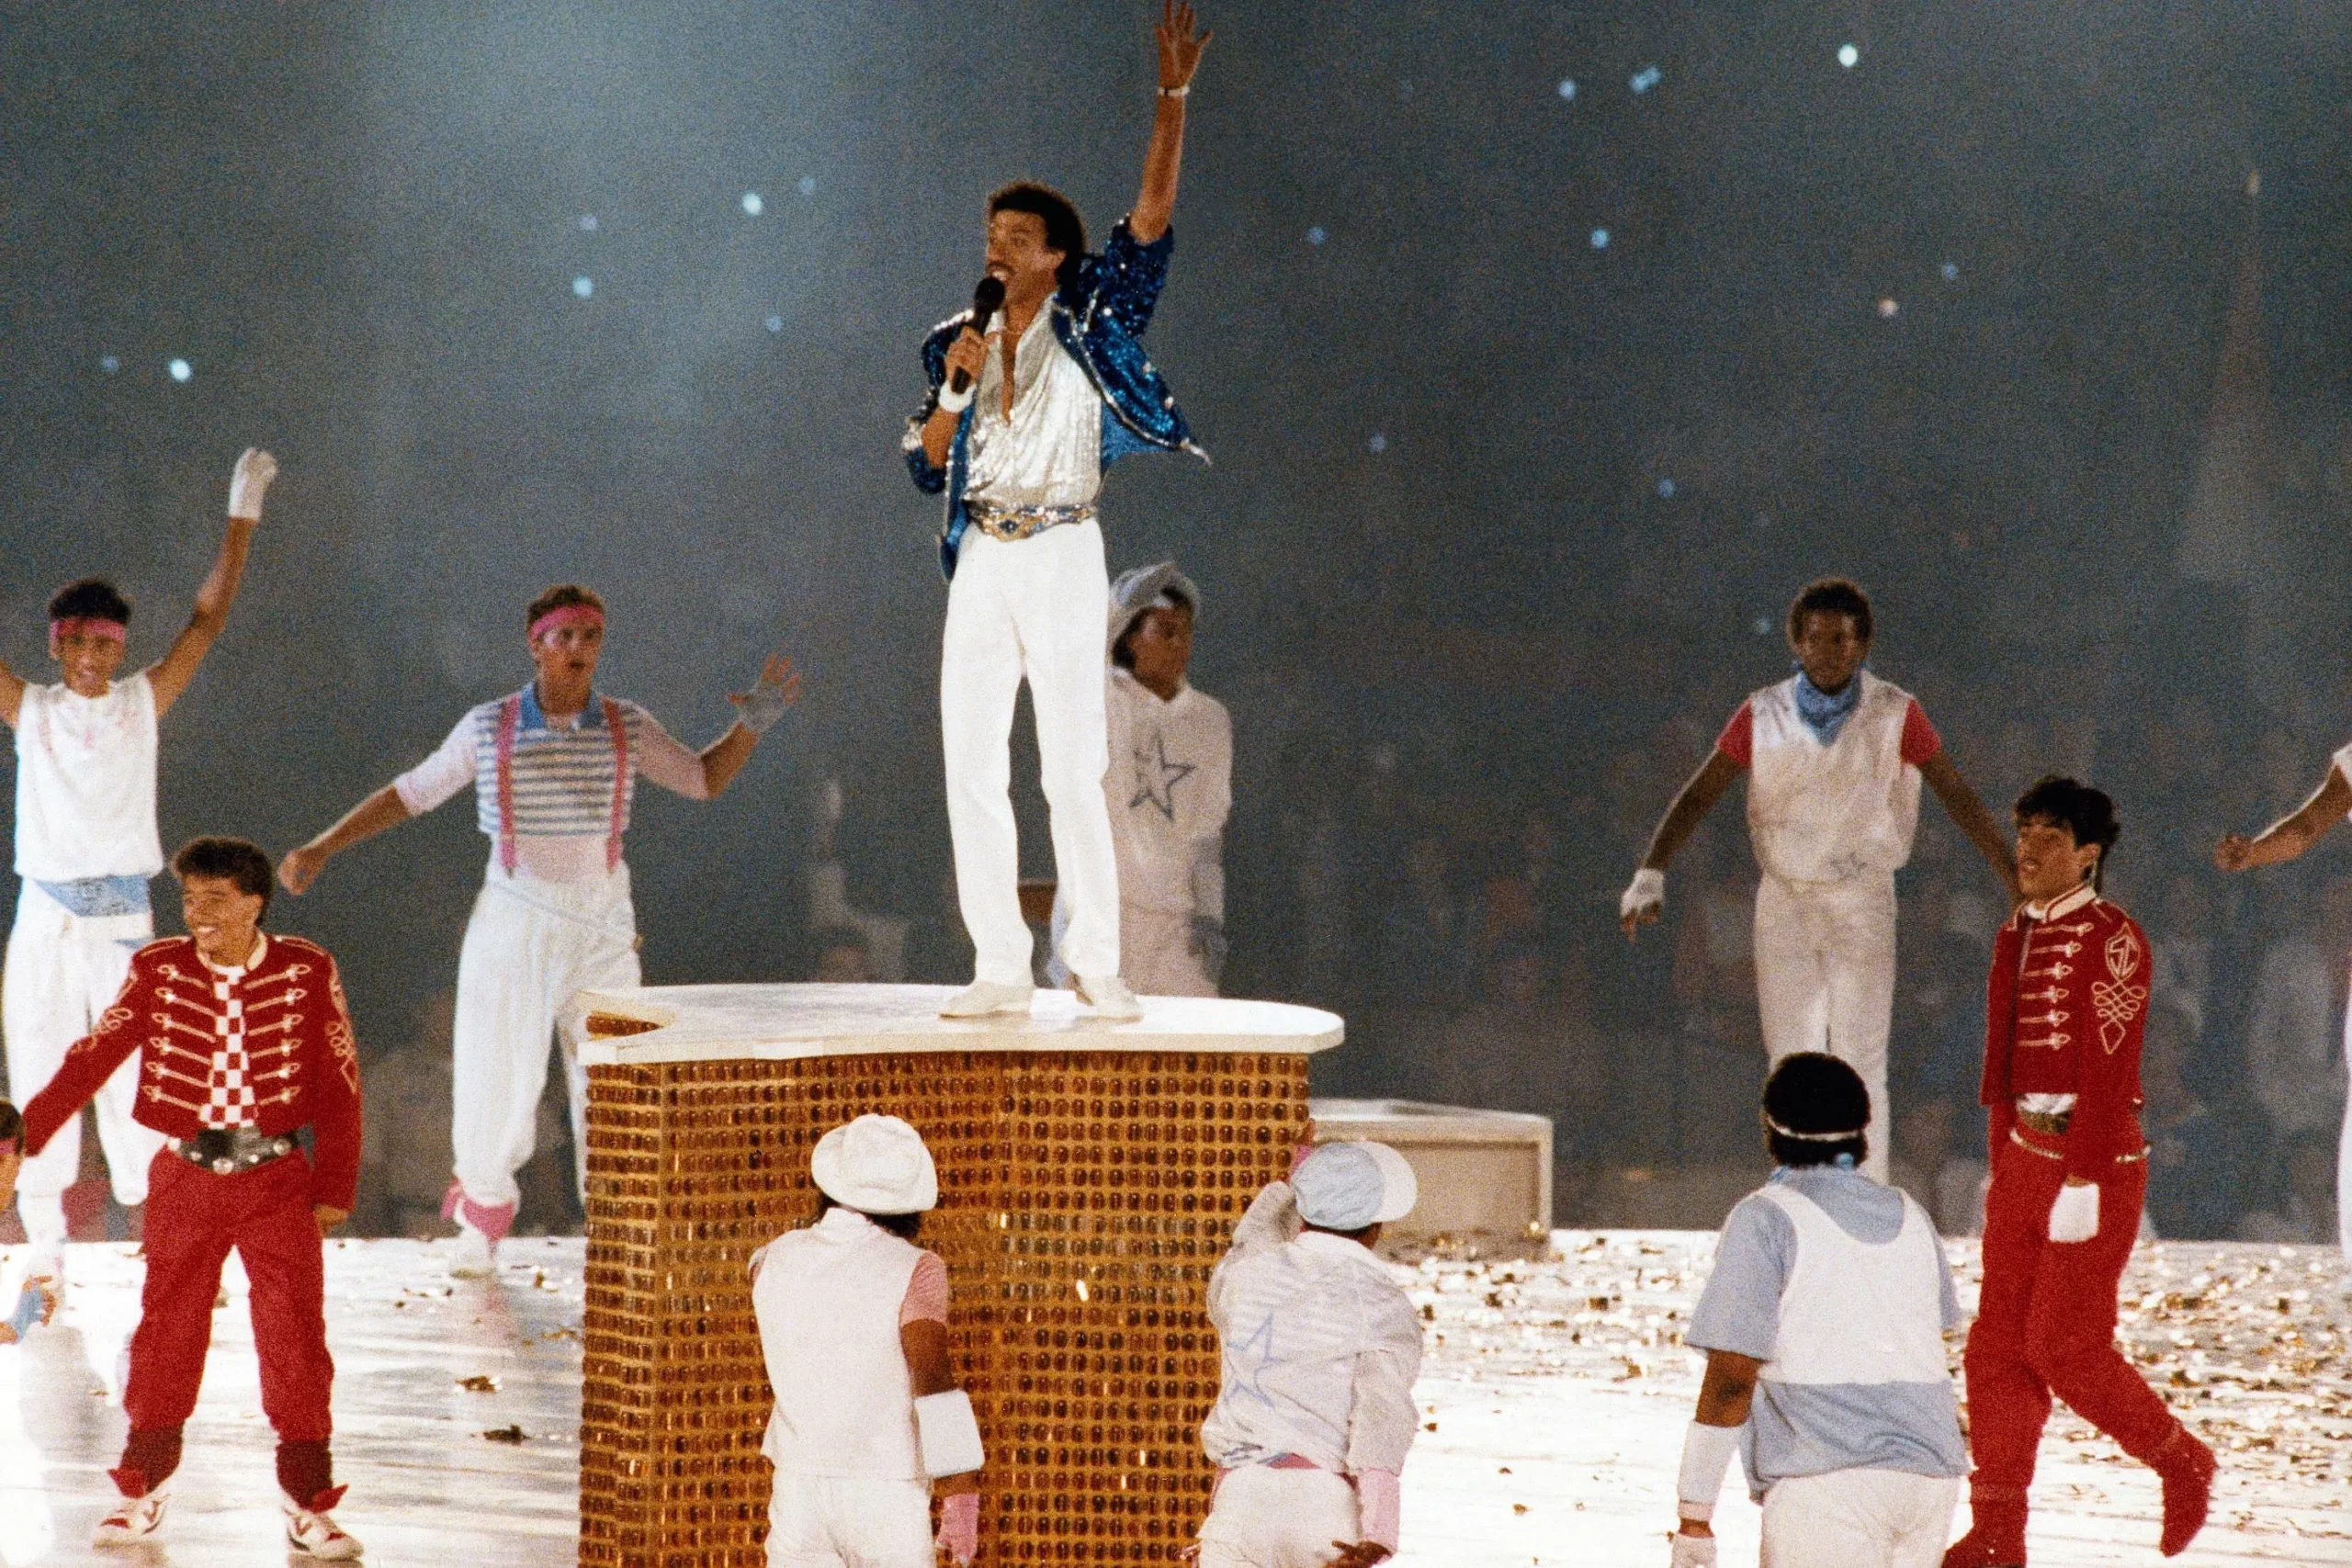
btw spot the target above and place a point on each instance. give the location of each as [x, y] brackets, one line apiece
[701, 1024]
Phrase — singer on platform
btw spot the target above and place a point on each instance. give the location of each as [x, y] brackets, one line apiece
[1027, 407]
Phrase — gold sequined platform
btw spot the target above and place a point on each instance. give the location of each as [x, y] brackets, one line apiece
[1089, 1176]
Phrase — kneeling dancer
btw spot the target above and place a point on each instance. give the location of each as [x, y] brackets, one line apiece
[243, 1039]
[1315, 1415]
[1823, 1324]
[2063, 1017]
[853, 1320]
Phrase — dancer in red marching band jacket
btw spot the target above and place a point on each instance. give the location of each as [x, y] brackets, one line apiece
[2063, 1016]
[86, 846]
[1834, 757]
[554, 769]
[243, 1039]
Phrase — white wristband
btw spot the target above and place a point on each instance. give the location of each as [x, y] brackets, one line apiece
[1706, 1454]
[1647, 892]
[950, 1434]
[954, 401]
[1183, 91]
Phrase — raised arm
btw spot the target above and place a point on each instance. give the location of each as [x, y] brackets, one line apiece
[1969, 814]
[1645, 900]
[1180, 56]
[172, 674]
[2291, 834]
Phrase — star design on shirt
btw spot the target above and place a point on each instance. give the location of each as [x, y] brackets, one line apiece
[1157, 778]
[1243, 1378]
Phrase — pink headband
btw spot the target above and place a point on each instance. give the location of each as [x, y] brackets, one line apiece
[567, 616]
[7, 1147]
[87, 626]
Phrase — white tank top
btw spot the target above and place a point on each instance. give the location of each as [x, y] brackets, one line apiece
[1835, 813]
[828, 1301]
[1854, 1313]
[85, 783]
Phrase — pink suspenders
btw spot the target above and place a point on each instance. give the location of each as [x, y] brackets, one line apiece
[510, 719]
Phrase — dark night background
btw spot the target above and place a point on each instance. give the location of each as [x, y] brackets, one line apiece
[1500, 525]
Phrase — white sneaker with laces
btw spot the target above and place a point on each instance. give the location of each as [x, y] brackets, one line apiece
[476, 1256]
[318, 1534]
[1109, 996]
[132, 1520]
[983, 998]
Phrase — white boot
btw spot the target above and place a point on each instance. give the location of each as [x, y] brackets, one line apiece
[132, 1520]
[317, 1534]
[476, 1256]
[1109, 996]
[984, 997]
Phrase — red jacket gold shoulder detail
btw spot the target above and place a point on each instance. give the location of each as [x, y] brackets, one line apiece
[2065, 1007]
[304, 1057]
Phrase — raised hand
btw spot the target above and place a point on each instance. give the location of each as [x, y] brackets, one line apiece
[299, 869]
[1179, 50]
[758, 709]
[2232, 853]
[255, 469]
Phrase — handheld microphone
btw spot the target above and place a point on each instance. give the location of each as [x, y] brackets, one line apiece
[987, 299]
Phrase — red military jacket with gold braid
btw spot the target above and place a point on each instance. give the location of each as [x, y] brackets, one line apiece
[272, 1049]
[2065, 1011]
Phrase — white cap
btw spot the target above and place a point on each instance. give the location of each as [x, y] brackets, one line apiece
[1345, 1187]
[877, 1165]
[1145, 589]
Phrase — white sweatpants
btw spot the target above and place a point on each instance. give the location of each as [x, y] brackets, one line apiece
[61, 972]
[529, 946]
[849, 1521]
[1858, 1518]
[1264, 1517]
[1825, 981]
[1035, 608]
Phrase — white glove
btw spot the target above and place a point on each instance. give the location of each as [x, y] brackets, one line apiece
[758, 709]
[1692, 1551]
[1647, 892]
[256, 468]
[2075, 1215]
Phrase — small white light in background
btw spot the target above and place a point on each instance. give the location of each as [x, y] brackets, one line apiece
[1315, 236]
[588, 222]
[181, 370]
[1849, 56]
[1600, 239]
[752, 205]
[1379, 443]
[1887, 309]
[1567, 86]
[807, 185]
[775, 323]
[1649, 76]
[1761, 625]
[1665, 489]
[584, 287]
[1951, 272]
[109, 364]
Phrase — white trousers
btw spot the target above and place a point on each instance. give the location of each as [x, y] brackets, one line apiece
[1858, 1518]
[61, 972]
[1037, 609]
[849, 1521]
[1278, 1519]
[1825, 981]
[529, 945]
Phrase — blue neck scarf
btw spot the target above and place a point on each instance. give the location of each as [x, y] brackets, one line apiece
[1823, 714]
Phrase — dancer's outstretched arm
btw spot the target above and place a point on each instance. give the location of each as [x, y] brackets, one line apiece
[1180, 56]
[171, 675]
[1646, 900]
[380, 810]
[1969, 815]
[2291, 834]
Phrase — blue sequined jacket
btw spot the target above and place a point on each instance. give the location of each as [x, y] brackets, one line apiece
[1098, 317]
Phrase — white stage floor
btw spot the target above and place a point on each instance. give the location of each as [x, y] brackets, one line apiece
[1558, 1391]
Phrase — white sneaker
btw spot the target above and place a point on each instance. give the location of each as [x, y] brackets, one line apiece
[132, 1520]
[1109, 996]
[318, 1534]
[983, 998]
[476, 1256]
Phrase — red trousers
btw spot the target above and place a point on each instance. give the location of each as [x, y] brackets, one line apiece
[2046, 1325]
[193, 1219]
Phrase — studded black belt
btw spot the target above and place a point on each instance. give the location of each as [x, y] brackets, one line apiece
[225, 1151]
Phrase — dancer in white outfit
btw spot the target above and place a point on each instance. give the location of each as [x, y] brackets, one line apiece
[2281, 841]
[1824, 1325]
[1025, 412]
[1169, 788]
[554, 769]
[86, 845]
[1314, 1414]
[852, 1316]
[1834, 757]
